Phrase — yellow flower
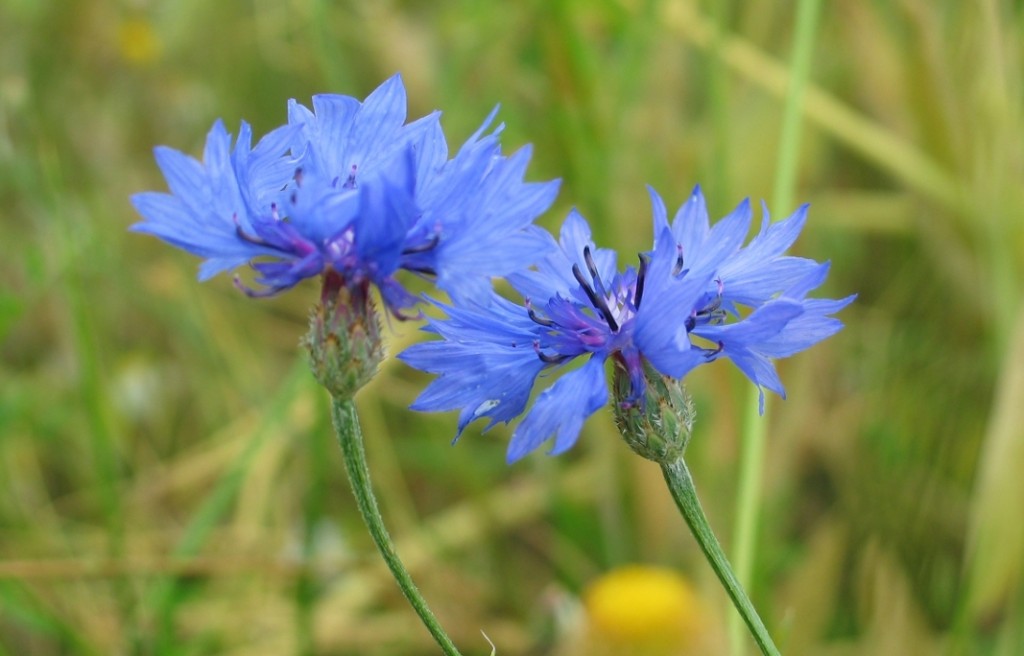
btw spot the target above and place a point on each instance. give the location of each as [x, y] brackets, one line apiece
[639, 609]
[137, 41]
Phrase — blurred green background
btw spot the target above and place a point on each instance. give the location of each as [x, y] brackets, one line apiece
[169, 483]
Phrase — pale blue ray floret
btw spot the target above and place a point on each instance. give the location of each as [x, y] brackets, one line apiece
[700, 294]
[350, 188]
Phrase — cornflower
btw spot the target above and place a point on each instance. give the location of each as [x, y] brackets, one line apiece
[697, 296]
[350, 191]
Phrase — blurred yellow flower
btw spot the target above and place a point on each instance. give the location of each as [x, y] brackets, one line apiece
[640, 609]
[138, 42]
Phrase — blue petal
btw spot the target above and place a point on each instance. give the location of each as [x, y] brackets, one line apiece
[464, 265]
[386, 212]
[763, 324]
[344, 137]
[329, 127]
[659, 213]
[431, 151]
[496, 321]
[320, 212]
[265, 170]
[481, 379]
[554, 276]
[761, 371]
[185, 177]
[217, 153]
[815, 324]
[208, 205]
[759, 271]
[561, 410]
[811, 280]
[744, 343]
[170, 219]
[213, 266]
[761, 281]
[660, 329]
[724, 239]
[377, 121]
[481, 213]
[574, 237]
[691, 224]
[811, 327]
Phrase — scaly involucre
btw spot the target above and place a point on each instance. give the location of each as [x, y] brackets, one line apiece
[699, 295]
[349, 187]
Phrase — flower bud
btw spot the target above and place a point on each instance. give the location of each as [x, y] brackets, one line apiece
[344, 340]
[656, 425]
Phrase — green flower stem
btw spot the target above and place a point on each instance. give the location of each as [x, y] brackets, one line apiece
[680, 483]
[350, 436]
[752, 449]
[748, 505]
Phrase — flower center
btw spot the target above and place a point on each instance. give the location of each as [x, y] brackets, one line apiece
[598, 324]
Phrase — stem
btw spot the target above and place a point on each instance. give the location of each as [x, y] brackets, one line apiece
[680, 484]
[792, 111]
[350, 437]
[754, 426]
[748, 504]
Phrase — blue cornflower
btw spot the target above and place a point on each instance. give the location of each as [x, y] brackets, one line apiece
[679, 308]
[351, 191]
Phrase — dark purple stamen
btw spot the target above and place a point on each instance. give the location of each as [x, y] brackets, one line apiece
[351, 182]
[549, 359]
[424, 247]
[547, 323]
[255, 293]
[244, 236]
[597, 301]
[588, 258]
[713, 310]
[249, 238]
[425, 270]
[298, 176]
[641, 275]
[679, 261]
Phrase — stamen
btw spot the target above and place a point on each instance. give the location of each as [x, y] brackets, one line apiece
[552, 359]
[547, 323]
[679, 261]
[711, 309]
[597, 301]
[245, 236]
[549, 359]
[425, 270]
[588, 258]
[709, 354]
[351, 182]
[641, 275]
[298, 176]
[424, 247]
[255, 293]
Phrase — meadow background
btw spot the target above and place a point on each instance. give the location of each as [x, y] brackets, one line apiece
[169, 483]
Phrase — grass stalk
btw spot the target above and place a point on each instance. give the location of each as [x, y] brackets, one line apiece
[752, 450]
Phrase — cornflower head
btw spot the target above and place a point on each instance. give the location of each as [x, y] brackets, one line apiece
[697, 296]
[350, 192]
